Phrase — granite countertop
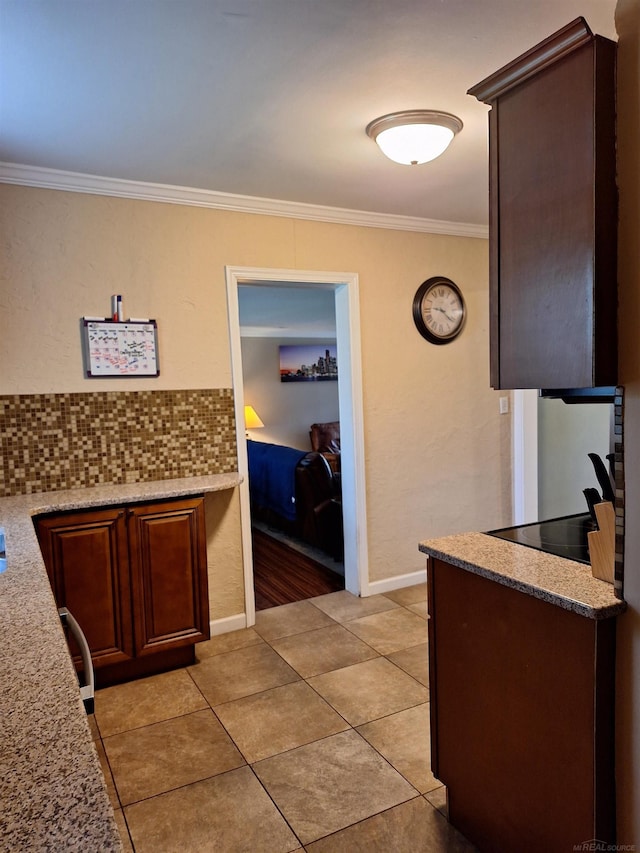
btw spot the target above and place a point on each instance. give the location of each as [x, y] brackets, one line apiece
[52, 791]
[564, 583]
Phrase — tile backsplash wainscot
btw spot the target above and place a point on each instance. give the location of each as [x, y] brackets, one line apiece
[64, 441]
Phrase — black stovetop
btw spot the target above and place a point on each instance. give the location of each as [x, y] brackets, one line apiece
[565, 537]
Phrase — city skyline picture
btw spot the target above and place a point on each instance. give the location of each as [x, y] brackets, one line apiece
[308, 363]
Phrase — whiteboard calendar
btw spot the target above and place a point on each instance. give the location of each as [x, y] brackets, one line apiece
[120, 349]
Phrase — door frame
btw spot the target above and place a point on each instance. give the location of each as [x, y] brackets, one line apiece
[346, 289]
[525, 456]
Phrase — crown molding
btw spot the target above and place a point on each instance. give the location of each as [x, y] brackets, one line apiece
[55, 179]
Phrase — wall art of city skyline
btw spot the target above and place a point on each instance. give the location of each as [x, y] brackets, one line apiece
[308, 363]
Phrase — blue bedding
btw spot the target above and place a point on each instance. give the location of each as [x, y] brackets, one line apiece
[272, 479]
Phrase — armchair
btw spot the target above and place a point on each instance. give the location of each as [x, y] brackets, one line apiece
[319, 504]
[325, 439]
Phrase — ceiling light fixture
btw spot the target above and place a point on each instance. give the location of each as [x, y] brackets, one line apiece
[414, 136]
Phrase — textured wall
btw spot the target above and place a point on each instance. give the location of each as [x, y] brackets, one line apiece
[224, 554]
[437, 451]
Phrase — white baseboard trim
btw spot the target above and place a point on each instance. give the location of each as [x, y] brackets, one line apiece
[396, 582]
[229, 623]
[239, 621]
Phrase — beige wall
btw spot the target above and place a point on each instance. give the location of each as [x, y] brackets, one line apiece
[628, 654]
[224, 554]
[437, 450]
[68, 252]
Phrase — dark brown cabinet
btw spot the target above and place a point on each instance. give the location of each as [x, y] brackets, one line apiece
[135, 578]
[167, 547]
[87, 560]
[553, 214]
[522, 715]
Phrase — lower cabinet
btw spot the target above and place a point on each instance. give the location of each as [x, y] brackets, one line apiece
[522, 715]
[135, 578]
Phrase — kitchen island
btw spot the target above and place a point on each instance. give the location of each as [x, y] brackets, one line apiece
[522, 667]
[52, 791]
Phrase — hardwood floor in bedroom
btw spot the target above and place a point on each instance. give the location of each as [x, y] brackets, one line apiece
[282, 574]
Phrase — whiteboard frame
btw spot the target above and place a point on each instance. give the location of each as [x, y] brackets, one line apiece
[121, 328]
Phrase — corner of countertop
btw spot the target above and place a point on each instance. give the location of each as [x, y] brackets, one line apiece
[561, 582]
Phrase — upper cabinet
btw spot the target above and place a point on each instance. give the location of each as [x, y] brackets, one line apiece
[553, 214]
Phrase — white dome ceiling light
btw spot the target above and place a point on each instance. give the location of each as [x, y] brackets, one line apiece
[414, 136]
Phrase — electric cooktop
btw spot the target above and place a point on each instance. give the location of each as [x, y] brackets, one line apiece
[564, 537]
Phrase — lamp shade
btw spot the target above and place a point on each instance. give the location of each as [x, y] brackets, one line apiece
[251, 418]
[414, 136]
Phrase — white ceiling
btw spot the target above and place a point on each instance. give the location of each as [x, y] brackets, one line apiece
[265, 98]
[287, 311]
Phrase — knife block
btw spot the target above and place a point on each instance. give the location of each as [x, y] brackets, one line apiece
[602, 542]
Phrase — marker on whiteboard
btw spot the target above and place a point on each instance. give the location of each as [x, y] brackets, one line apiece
[116, 308]
[138, 320]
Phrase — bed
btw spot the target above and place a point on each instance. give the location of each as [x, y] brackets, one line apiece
[272, 477]
[296, 492]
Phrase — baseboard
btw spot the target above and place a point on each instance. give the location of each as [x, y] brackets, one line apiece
[239, 621]
[396, 582]
[229, 623]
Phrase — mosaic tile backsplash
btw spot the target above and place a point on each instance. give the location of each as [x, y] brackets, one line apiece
[64, 441]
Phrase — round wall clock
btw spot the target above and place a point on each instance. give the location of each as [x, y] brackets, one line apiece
[439, 311]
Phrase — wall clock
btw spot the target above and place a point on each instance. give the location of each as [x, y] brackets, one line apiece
[439, 311]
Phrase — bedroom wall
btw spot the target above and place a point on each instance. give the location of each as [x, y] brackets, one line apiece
[437, 451]
[287, 409]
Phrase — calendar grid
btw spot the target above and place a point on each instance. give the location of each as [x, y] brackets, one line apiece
[113, 348]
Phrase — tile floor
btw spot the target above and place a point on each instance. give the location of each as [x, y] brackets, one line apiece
[307, 732]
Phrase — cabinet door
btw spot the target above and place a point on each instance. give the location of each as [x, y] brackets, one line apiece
[167, 547]
[556, 238]
[521, 706]
[87, 562]
[553, 214]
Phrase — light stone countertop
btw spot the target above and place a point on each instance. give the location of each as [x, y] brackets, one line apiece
[565, 583]
[52, 791]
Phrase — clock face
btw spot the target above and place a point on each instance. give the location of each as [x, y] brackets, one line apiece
[439, 310]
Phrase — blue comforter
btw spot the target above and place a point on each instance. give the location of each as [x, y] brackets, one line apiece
[272, 478]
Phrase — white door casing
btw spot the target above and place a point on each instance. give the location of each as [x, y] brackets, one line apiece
[345, 287]
[525, 456]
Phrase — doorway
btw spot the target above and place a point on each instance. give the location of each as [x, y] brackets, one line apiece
[345, 289]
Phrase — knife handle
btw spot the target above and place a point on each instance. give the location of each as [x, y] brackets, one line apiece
[603, 478]
[593, 497]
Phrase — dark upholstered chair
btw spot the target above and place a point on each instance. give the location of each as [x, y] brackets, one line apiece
[325, 439]
[319, 505]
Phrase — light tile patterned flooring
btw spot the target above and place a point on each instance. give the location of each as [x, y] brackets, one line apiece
[308, 732]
